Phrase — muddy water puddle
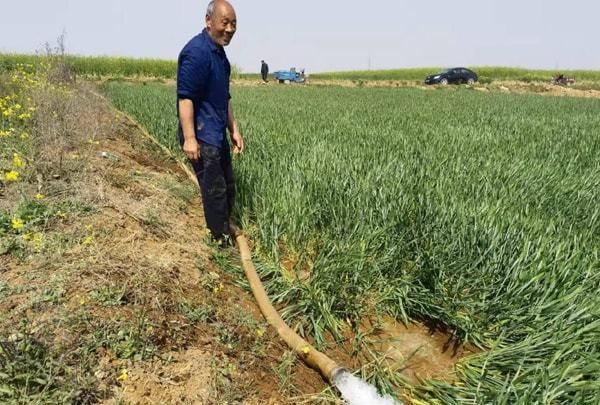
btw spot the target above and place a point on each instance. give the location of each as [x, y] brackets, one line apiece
[417, 351]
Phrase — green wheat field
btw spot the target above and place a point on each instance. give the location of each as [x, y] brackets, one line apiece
[478, 212]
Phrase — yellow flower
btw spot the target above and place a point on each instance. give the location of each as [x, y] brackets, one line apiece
[17, 224]
[306, 350]
[24, 116]
[260, 332]
[24, 135]
[124, 375]
[37, 237]
[82, 301]
[17, 161]
[39, 196]
[88, 240]
[11, 176]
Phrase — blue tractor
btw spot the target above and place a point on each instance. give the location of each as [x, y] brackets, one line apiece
[290, 76]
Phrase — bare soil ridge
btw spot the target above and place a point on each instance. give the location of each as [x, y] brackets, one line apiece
[513, 86]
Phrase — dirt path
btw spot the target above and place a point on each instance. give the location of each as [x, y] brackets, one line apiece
[541, 88]
[505, 86]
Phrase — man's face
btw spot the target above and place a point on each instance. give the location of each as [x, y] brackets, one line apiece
[222, 24]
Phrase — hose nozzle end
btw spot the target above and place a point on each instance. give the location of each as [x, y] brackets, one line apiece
[337, 373]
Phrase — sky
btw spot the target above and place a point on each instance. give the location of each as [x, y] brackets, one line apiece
[322, 35]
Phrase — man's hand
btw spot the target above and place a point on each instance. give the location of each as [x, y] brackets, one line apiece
[238, 142]
[191, 148]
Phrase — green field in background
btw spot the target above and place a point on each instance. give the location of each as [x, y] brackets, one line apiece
[106, 66]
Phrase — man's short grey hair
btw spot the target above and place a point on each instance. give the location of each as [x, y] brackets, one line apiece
[210, 9]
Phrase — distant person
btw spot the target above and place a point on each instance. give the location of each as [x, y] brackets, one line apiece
[205, 113]
[264, 71]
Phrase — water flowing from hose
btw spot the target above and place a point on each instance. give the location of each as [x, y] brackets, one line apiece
[357, 392]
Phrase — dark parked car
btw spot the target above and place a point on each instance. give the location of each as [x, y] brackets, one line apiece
[454, 75]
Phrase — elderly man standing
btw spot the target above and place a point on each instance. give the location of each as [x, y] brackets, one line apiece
[205, 114]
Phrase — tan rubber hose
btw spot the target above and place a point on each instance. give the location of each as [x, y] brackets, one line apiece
[312, 357]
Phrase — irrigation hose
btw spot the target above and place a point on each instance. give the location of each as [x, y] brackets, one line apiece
[312, 357]
[328, 368]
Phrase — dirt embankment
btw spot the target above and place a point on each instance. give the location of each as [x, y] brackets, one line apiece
[122, 288]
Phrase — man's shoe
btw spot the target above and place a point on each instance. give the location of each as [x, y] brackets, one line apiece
[225, 241]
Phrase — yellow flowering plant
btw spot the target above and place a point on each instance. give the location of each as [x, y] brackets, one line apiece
[17, 224]
[11, 176]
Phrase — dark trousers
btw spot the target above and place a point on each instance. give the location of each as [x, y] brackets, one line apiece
[217, 186]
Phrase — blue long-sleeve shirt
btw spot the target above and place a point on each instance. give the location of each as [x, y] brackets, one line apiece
[203, 73]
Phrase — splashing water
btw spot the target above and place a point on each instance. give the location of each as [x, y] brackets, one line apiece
[357, 392]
